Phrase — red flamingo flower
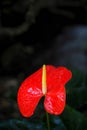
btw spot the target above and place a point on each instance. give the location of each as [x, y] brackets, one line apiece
[48, 81]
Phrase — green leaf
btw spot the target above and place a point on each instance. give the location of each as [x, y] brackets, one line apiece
[76, 80]
[77, 97]
[73, 119]
[77, 89]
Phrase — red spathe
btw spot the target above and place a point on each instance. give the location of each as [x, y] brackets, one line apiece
[30, 91]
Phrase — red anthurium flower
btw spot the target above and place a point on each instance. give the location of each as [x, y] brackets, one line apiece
[48, 81]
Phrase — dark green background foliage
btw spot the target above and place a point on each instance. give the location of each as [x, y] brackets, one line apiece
[33, 33]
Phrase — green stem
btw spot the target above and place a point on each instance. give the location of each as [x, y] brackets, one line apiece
[48, 121]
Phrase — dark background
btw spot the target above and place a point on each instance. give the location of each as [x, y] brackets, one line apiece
[37, 32]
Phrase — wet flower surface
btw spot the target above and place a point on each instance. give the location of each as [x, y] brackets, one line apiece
[48, 81]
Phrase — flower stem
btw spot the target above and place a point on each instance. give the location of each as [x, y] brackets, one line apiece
[48, 121]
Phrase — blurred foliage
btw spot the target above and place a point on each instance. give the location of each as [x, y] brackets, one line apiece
[73, 119]
[77, 89]
[28, 10]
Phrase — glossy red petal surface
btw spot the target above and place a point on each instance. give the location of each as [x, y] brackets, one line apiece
[55, 100]
[63, 74]
[30, 93]
[56, 96]
[57, 76]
